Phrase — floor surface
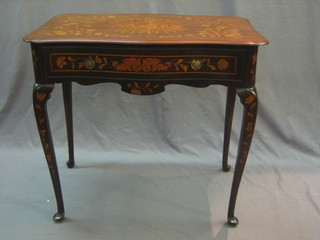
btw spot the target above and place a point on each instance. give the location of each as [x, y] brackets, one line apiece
[134, 199]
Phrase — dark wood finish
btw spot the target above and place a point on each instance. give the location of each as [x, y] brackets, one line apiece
[231, 97]
[249, 99]
[144, 53]
[67, 98]
[41, 94]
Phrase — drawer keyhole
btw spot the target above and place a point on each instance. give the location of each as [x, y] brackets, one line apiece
[89, 63]
[196, 64]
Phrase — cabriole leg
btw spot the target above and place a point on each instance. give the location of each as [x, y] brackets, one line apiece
[41, 94]
[249, 99]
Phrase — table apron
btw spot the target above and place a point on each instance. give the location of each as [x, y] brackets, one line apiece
[188, 65]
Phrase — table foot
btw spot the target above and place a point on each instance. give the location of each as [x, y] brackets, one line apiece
[70, 164]
[58, 217]
[233, 221]
[226, 168]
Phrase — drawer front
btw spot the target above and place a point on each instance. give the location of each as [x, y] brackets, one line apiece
[143, 64]
[204, 65]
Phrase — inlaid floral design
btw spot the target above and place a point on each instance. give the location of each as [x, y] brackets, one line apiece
[141, 65]
[253, 68]
[250, 102]
[146, 89]
[61, 62]
[144, 26]
[41, 95]
[223, 64]
[216, 31]
[124, 64]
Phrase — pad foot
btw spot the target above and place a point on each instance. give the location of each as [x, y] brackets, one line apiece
[226, 168]
[70, 164]
[233, 221]
[58, 217]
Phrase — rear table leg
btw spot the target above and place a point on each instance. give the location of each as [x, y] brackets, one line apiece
[67, 99]
[231, 96]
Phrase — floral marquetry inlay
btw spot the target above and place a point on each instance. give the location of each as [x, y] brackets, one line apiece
[75, 62]
[147, 28]
[144, 25]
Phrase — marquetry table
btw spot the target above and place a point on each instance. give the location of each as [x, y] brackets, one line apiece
[144, 53]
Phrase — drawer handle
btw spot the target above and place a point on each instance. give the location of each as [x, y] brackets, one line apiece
[196, 64]
[89, 63]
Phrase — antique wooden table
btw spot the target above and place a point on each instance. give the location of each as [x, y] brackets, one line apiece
[143, 53]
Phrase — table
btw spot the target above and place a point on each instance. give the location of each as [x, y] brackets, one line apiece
[144, 53]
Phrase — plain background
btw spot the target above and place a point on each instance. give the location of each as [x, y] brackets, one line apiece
[150, 167]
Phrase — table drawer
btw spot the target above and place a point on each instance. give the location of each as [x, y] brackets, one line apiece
[137, 64]
[221, 65]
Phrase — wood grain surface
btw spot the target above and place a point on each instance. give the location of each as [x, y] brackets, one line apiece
[147, 29]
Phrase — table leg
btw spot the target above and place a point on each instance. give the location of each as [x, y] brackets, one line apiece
[41, 94]
[67, 99]
[249, 99]
[231, 96]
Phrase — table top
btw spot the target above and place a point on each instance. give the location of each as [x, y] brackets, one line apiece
[153, 29]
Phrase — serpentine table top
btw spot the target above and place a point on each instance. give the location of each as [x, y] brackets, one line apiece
[147, 29]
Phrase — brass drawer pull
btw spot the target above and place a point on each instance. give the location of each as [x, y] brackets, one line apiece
[89, 63]
[196, 64]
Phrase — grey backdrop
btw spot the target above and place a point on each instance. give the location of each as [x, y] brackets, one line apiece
[149, 167]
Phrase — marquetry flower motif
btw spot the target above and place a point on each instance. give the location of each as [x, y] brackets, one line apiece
[249, 99]
[253, 68]
[138, 89]
[41, 96]
[218, 28]
[223, 64]
[232, 33]
[141, 65]
[146, 26]
[162, 27]
[61, 62]
[249, 127]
